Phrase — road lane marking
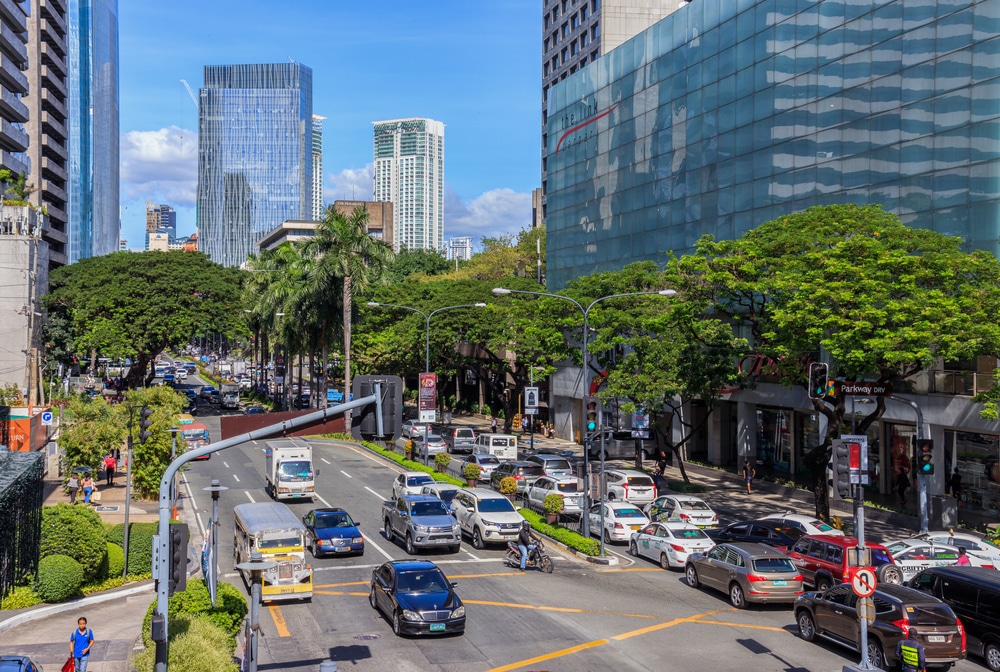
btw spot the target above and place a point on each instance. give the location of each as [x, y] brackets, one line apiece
[320, 498]
[772, 628]
[194, 504]
[325, 461]
[236, 478]
[629, 569]
[340, 568]
[250, 497]
[344, 472]
[225, 464]
[279, 621]
[471, 554]
[378, 548]
[550, 656]
[376, 494]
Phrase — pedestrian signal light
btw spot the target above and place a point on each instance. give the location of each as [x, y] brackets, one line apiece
[925, 456]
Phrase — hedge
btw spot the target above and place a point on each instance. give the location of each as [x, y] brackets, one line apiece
[59, 578]
[228, 614]
[21, 597]
[75, 531]
[115, 561]
[140, 545]
[196, 644]
[562, 534]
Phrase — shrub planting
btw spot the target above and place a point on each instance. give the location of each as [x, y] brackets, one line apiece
[77, 532]
[59, 578]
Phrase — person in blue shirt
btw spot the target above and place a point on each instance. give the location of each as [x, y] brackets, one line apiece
[79, 645]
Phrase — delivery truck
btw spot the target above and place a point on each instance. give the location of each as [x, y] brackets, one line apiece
[230, 393]
[289, 467]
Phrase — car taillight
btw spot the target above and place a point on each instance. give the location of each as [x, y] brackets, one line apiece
[685, 516]
[904, 625]
[679, 549]
[754, 578]
[798, 578]
[618, 526]
[518, 477]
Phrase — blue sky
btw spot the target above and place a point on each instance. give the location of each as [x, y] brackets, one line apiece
[476, 66]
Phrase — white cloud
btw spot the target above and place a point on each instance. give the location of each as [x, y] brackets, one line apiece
[491, 214]
[350, 184]
[160, 166]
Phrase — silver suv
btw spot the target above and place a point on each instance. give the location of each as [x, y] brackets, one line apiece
[486, 516]
[459, 439]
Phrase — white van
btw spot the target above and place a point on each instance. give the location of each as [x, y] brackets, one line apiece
[503, 446]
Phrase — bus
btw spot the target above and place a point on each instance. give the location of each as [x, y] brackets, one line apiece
[195, 435]
[272, 529]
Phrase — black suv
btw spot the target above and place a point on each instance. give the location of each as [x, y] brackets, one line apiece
[974, 594]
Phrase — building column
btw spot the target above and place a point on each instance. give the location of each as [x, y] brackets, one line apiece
[746, 431]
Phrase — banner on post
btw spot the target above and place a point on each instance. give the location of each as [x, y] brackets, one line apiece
[427, 397]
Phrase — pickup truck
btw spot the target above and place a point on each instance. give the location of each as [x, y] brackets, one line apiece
[422, 522]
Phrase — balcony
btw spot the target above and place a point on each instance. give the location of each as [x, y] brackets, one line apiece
[52, 57]
[53, 99]
[49, 187]
[14, 163]
[11, 76]
[51, 125]
[57, 168]
[58, 147]
[13, 44]
[11, 107]
[14, 13]
[53, 79]
[12, 138]
[56, 215]
[960, 383]
[52, 12]
[54, 7]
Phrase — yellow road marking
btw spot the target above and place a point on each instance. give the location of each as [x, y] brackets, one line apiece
[451, 576]
[772, 628]
[629, 569]
[565, 610]
[279, 621]
[340, 585]
[550, 656]
[662, 626]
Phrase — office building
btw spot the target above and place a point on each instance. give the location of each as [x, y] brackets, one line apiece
[409, 172]
[725, 115]
[255, 159]
[459, 248]
[92, 194]
[317, 167]
[575, 33]
[47, 122]
[379, 225]
[379, 216]
[160, 219]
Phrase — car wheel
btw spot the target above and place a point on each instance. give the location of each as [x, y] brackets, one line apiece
[396, 628]
[822, 583]
[692, 576]
[991, 653]
[736, 596]
[633, 549]
[889, 574]
[477, 539]
[409, 544]
[371, 598]
[388, 530]
[664, 561]
[607, 537]
[312, 549]
[876, 658]
[807, 627]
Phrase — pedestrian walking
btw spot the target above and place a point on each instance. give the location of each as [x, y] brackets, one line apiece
[88, 488]
[902, 483]
[80, 643]
[73, 485]
[493, 425]
[110, 464]
[910, 654]
[661, 461]
[963, 558]
[657, 474]
[748, 474]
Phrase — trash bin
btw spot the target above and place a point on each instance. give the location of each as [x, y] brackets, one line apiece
[944, 513]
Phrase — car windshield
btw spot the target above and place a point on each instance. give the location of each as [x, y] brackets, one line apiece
[930, 614]
[295, 469]
[429, 509]
[557, 464]
[488, 459]
[464, 434]
[327, 520]
[419, 480]
[279, 542]
[695, 505]
[689, 534]
[641, 481]
[569, 487]
[423, 581]
[765, 565]
[495, 505]
[626, 512]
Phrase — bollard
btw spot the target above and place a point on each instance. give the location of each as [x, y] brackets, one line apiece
[328, 666]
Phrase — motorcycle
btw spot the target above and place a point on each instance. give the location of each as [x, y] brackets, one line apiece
[537, 557]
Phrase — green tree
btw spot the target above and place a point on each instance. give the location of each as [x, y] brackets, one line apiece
[150, 459]
[93, 429]
[416, 262]
[136, 304]
[881, 300]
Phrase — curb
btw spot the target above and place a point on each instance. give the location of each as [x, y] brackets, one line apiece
[49, 610]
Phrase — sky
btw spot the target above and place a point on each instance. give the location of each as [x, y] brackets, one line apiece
[476, 66]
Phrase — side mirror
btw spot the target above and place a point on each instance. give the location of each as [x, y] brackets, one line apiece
[454, 584]
[316, 473]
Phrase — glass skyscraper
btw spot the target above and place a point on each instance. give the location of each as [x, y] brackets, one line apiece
[255, 156]
[730, 113]
[94, 222]
[409, 172]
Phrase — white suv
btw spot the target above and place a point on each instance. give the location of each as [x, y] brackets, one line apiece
[630, 485]
[486, 516]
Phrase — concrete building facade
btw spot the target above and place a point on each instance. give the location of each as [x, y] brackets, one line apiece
[380, 215]
[317, 167]
[160, 219]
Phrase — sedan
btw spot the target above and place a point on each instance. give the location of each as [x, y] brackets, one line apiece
[410, 483]
[683, 508]
[974, 546]
[568, 487]
[333, 531]
[434, 445]
[417, 598]
[255, 410]
[915, 555]
[770, 532]
[18, 664]
[412, 429]
[746, 572]
[621, 519]
[669, 543]
[808, 524]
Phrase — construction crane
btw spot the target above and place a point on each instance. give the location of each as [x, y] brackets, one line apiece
[194, 98]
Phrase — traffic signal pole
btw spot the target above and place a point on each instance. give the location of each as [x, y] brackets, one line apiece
[161, 542]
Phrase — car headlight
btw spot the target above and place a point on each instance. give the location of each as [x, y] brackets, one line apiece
[421, 528]
[322, 542]
[358, 540]
[454, 529]
[411, 615]
[458, 613]
[490, 523]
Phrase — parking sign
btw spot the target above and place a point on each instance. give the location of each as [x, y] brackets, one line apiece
[46, 417]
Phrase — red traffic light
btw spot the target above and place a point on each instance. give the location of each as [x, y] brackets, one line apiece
[854, 455]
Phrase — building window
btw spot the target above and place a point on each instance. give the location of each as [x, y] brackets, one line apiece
[565, 30]
[546, 44]
[546, 73]
[574, 22]
[565, 5]
[572, 70]
[594, 55]
[555, 62]
[546, 21]
[555, 38]
[555, 13]
[595, 5]
[584, 13]
[574, 48]
[584, 40]
[565, 56]
[595, 31]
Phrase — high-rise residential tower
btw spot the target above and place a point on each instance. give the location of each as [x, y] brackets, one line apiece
[160, 219]
[409, 171]
[94, 222]
[578, 32]
[317, 167]
[255, 158]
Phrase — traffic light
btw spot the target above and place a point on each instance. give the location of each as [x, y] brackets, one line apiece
[592, 412]
[145, 422]
[818, 374]
[925, 456]
[178, 558]
[841, 459]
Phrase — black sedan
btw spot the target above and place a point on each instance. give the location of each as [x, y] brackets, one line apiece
[771, 532]
[417, 598]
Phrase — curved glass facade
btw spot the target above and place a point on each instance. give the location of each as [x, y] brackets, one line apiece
[730, 113]
[255, 158]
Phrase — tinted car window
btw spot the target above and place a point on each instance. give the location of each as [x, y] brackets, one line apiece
[989, 604]
[839, 595]
[773, 565]
[530, 471]
[960, 594]
[695, 506]
[640, 481]
[834, 554]
[498, 505]
[569, 487]
[930, 614]
[879, 557]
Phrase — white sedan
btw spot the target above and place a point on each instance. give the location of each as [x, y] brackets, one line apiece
[808, 524]
[973, 545]
[621, 519]
[683, 509]
[915, 555]
[669, 543]
[566, 486]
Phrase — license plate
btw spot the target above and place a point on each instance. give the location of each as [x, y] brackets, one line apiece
[636, 527]
[509, 537]
[342, 549]
[935, 638]
[780, 582]
[437, 627]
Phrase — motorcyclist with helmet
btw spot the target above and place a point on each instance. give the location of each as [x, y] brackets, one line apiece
[525, 542]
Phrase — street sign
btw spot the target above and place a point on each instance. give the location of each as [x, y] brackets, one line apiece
[856, 389]
[640, 434]
[530, 398]
[531, 411]
[46, 417]
[863, 582]
[866, 610]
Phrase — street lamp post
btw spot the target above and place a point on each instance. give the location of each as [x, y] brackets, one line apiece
[501, 291]
[427, 339]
